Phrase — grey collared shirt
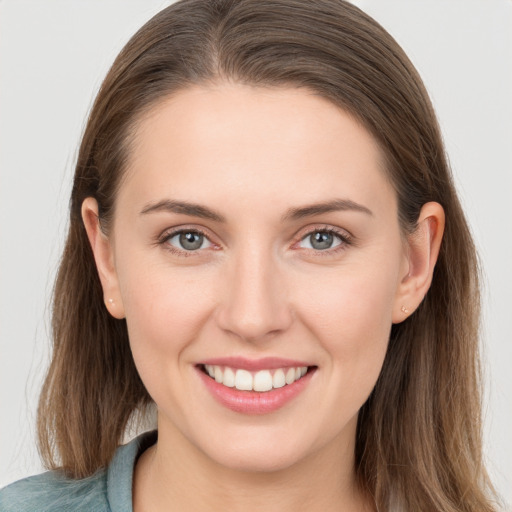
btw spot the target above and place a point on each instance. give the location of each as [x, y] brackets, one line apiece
[108, 490]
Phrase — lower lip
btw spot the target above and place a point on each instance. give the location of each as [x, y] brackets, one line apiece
[254, 402]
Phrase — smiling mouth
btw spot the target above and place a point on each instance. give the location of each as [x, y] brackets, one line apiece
[260, 381]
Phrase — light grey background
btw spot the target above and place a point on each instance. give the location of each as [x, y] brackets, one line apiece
[53, 56]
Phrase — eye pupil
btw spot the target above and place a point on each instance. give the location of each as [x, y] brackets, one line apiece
[191, 241]
[321, 240]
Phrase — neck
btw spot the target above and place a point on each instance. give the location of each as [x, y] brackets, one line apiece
[174, 476]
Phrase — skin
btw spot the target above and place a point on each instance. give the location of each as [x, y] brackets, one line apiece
[255, 288]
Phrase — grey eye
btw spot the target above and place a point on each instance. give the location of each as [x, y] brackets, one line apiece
[321, 240]
[189, 240]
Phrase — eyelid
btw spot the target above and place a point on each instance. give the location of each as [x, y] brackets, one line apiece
[170, 233]
[345, 237]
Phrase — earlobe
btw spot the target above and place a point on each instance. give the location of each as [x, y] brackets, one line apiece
[422, 252]
[104, 258]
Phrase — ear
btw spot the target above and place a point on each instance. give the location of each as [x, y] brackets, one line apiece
[422, 250]
[104, 257]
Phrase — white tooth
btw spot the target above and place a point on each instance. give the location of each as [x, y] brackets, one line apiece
[218, 373]
[229, 378]
[297, 373]
[262, 381]
[303, 371]
[243, 380]
[290, 375]
[210, 370]
[279, 379]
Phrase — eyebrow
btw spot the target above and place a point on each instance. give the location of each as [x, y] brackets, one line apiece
[335, 205]
[196, 210]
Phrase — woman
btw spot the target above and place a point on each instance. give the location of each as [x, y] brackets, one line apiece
[265, 242]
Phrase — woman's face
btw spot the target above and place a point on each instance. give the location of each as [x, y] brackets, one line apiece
[256, 233]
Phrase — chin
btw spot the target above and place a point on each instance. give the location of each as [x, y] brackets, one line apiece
[257, 461]
[260, 452]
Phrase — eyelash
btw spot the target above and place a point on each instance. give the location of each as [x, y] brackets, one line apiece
[170, 234]
[346, 240]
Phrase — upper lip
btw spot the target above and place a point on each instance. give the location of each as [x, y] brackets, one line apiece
[264, 363]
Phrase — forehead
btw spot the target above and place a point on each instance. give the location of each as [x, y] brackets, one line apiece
[285, 145]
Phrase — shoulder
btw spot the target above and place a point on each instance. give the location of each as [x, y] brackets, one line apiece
[52, 491]
[108, 490]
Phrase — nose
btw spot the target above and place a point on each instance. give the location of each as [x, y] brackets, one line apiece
[254, 305]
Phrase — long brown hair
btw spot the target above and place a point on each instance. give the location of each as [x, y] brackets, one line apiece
[419, 433]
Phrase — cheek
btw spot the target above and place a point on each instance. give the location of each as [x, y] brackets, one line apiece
[165, 310]
[349, 311]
